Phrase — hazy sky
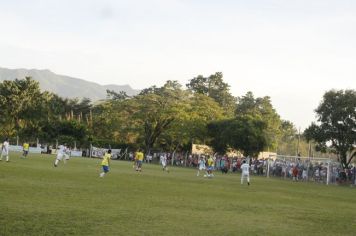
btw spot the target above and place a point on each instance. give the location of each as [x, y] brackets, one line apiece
[292, 51]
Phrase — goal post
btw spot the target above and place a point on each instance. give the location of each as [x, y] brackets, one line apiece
[320, 170]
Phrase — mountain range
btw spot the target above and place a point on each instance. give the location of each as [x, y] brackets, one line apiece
[65, 86]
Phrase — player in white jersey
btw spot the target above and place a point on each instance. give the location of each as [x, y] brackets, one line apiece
[5, 150]
[60, 154]
[66, 155]
[163, 159]
[245, 172]
[201, 165]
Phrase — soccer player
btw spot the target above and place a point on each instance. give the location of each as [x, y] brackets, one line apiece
[66, 155]
[163, 159]
[60, 154]
[5, 150]
[25, 148]
[210, 167]
[201, 164]
[139, 159]
[105, 163]
[245, 172]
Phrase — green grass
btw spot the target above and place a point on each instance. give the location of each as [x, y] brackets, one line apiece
[38, 199]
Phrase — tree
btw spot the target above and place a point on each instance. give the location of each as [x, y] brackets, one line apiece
[152, 112]
[244, 133]
[291, 143]
[288, 139]
[111, 94]
[214, 87]
[19, 102]
[261, 108]
[220, 136]
[190, 123]
[166, 117]
[113, 121]
[64, 131]
[336, 127]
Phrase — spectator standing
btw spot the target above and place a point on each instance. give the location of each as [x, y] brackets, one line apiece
[5, 150]
[245, 172]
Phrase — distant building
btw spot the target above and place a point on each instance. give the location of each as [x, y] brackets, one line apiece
[201, 149]
[265, 155]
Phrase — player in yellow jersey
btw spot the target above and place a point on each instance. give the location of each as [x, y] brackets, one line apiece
[25, 148]
[105, 163]
[210, 167]
[139, 159]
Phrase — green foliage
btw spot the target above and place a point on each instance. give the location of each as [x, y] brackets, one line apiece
[156, 110]
[244, 133]
[29, 113]
[288, 140]
[113, 121]
[167, 117]
[336, 128]
[19, 100]
[65, 129]
[291, 143]
[255, 127]
[261, 108]
[111, 94]
[214, 87]
[190, 124]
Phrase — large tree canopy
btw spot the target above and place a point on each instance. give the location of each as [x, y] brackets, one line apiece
[156, 109]
[190, 124]
[28, 112]
[214, 87]
[20, 102]
[244, 133]
[261, 108]
[167, 117]
[336, 127]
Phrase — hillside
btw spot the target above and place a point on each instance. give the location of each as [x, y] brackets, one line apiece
[65, 86]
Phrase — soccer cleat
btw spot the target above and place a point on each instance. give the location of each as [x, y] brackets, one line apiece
[248, 183]
[55, 165]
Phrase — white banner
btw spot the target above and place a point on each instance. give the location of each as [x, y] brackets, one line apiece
[75, 153]
[115, 153]
[15, 148]
[99, 152]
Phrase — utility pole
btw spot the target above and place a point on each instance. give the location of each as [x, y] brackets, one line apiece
[298, 141]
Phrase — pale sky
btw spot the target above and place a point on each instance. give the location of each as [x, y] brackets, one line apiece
[290, 50]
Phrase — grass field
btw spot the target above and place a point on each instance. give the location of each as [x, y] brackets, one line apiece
[38, 199]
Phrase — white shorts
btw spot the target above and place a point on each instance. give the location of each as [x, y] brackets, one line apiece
[4, 154]
[202, 168]
[164, 164]
[245, 174]
[60, 157]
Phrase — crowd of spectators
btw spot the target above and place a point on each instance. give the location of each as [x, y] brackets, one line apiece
[296, 170]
